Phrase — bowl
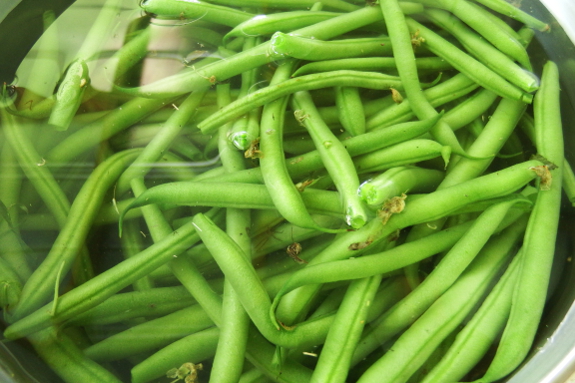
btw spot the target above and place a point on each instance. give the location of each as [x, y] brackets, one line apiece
[552, 359]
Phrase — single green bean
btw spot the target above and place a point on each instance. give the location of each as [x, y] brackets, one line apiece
[335, 158]
[150, 303]
[196, 10]
[266, 25]
[283, 4]
[403, 52]
[10, 285]
[309, 82]
[469, 109]
[349, 105]
[192, 348]
[345, 332]
[370, 64]
[250, 196]
[378, 263]
[311, 49]
[132, 244]
[491, 140]
[229, 357]
[401, 154]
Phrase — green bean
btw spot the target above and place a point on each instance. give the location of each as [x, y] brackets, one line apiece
[267, 25]
[150, 303]
[470, 109]
[335, 158]
[349, 104]
[416, 344]
[69, 95]
[533, 278]
[285, 196]
[102, 286]
[160, 143]
[132, 244]
[196, 10]
[253, 376]
[309, 82]
[370, 64]
[238, 134]
[334, 360]
[291, 45]
[10, 285]
[283, 235]
[481, 331]
[145, 337]
[29, 158]
[132, 52]
[498, 61]
[229, 357]
[490, 141]
[11, 248]
[377, 263]
[195, 347]
[245, 196]
[508, 9]
[569, 182]
[467, 65]
[405, 153]
[283, 4]
[399, 180]
[63, 356]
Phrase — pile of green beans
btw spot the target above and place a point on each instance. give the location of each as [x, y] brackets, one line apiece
[322, 192]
